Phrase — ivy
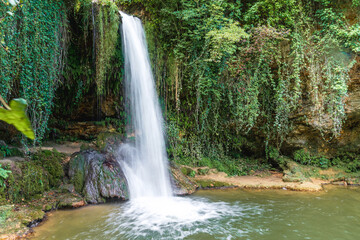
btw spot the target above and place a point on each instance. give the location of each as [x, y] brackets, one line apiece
[34, 59]
[249, 73]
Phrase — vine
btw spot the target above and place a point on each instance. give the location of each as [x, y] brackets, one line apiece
[35, 36]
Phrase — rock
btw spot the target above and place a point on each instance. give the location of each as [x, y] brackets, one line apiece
[305, 132]
[70, 201]
[181, 184]
[109, 141]
[208, 184]
[97, 176]
[293, 172]
[67, 188]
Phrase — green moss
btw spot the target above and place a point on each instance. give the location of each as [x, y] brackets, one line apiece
[106, 139]
[188, 172]
[30, 179]
[211, 184]
[78, 181]
[51, 162]
[203, 171]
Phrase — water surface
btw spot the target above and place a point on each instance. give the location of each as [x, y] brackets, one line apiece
[219, 214]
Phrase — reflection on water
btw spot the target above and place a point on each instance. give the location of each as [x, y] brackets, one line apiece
[218, 214]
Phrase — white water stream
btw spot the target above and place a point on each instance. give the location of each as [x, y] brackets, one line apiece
[146, 164]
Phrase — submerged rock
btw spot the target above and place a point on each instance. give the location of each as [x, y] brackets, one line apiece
[98, 176]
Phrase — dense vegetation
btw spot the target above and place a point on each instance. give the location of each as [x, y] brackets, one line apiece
[231, 70]
[233, 75]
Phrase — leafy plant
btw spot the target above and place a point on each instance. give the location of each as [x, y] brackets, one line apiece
[16, 116]
[3, 176]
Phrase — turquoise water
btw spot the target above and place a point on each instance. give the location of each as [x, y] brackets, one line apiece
[216, 214]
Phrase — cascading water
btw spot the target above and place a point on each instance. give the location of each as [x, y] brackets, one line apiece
[144, 163]
[152, 210]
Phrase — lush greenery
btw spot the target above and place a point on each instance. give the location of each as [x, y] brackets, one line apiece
[233, 75]
[231, 70]
[32, 56]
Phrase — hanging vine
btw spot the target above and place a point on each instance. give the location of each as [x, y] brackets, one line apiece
[35, 37]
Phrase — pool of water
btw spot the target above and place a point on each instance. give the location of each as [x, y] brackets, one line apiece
[216, 214]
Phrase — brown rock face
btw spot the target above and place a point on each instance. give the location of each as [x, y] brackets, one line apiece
[306, 134]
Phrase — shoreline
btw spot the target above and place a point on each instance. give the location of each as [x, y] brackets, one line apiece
[238, 182]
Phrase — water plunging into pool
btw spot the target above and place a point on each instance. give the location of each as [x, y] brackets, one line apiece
[144, 162]
[152, 206]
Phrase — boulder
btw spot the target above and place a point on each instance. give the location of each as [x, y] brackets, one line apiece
[97, 176]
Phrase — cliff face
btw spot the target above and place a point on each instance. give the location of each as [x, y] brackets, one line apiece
[305, 133]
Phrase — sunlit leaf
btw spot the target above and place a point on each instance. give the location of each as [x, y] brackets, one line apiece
[17, 117]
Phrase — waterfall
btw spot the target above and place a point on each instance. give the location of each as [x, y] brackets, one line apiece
[144, 161]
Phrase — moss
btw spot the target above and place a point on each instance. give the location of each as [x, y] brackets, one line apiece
[188, 172]
[14, 220]
[205, 184]
[30, 179]
[51, 162]
[77, 164]
[78, 181]
[34, 180]
[106, 139]
[203, 171]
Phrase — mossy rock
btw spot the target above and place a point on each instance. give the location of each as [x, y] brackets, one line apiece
[108, 142]
[29, 179]
[207, 184]
[51, 162]
[203, 171]
[69, 201]
[188, 171]
[97, 176]
[181, 183]
[14, 220]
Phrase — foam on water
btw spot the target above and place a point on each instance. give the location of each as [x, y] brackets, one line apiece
[173, 218]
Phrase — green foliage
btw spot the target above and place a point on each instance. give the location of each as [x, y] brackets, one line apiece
[107, 26]
[3, 175]
[226, 75]
[33, 58]
[350, 162]
[305, 158]
[94, 61]
[5, 151]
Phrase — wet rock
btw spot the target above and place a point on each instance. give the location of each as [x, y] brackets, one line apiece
[181, 184]
[70, 201]
[97, 176]
[108, 141]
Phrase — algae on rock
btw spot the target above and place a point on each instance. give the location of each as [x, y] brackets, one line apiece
[98, 176]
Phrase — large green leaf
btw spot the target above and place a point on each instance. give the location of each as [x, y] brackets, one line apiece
[16, 116]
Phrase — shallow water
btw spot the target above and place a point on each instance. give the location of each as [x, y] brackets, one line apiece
[217, 214]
